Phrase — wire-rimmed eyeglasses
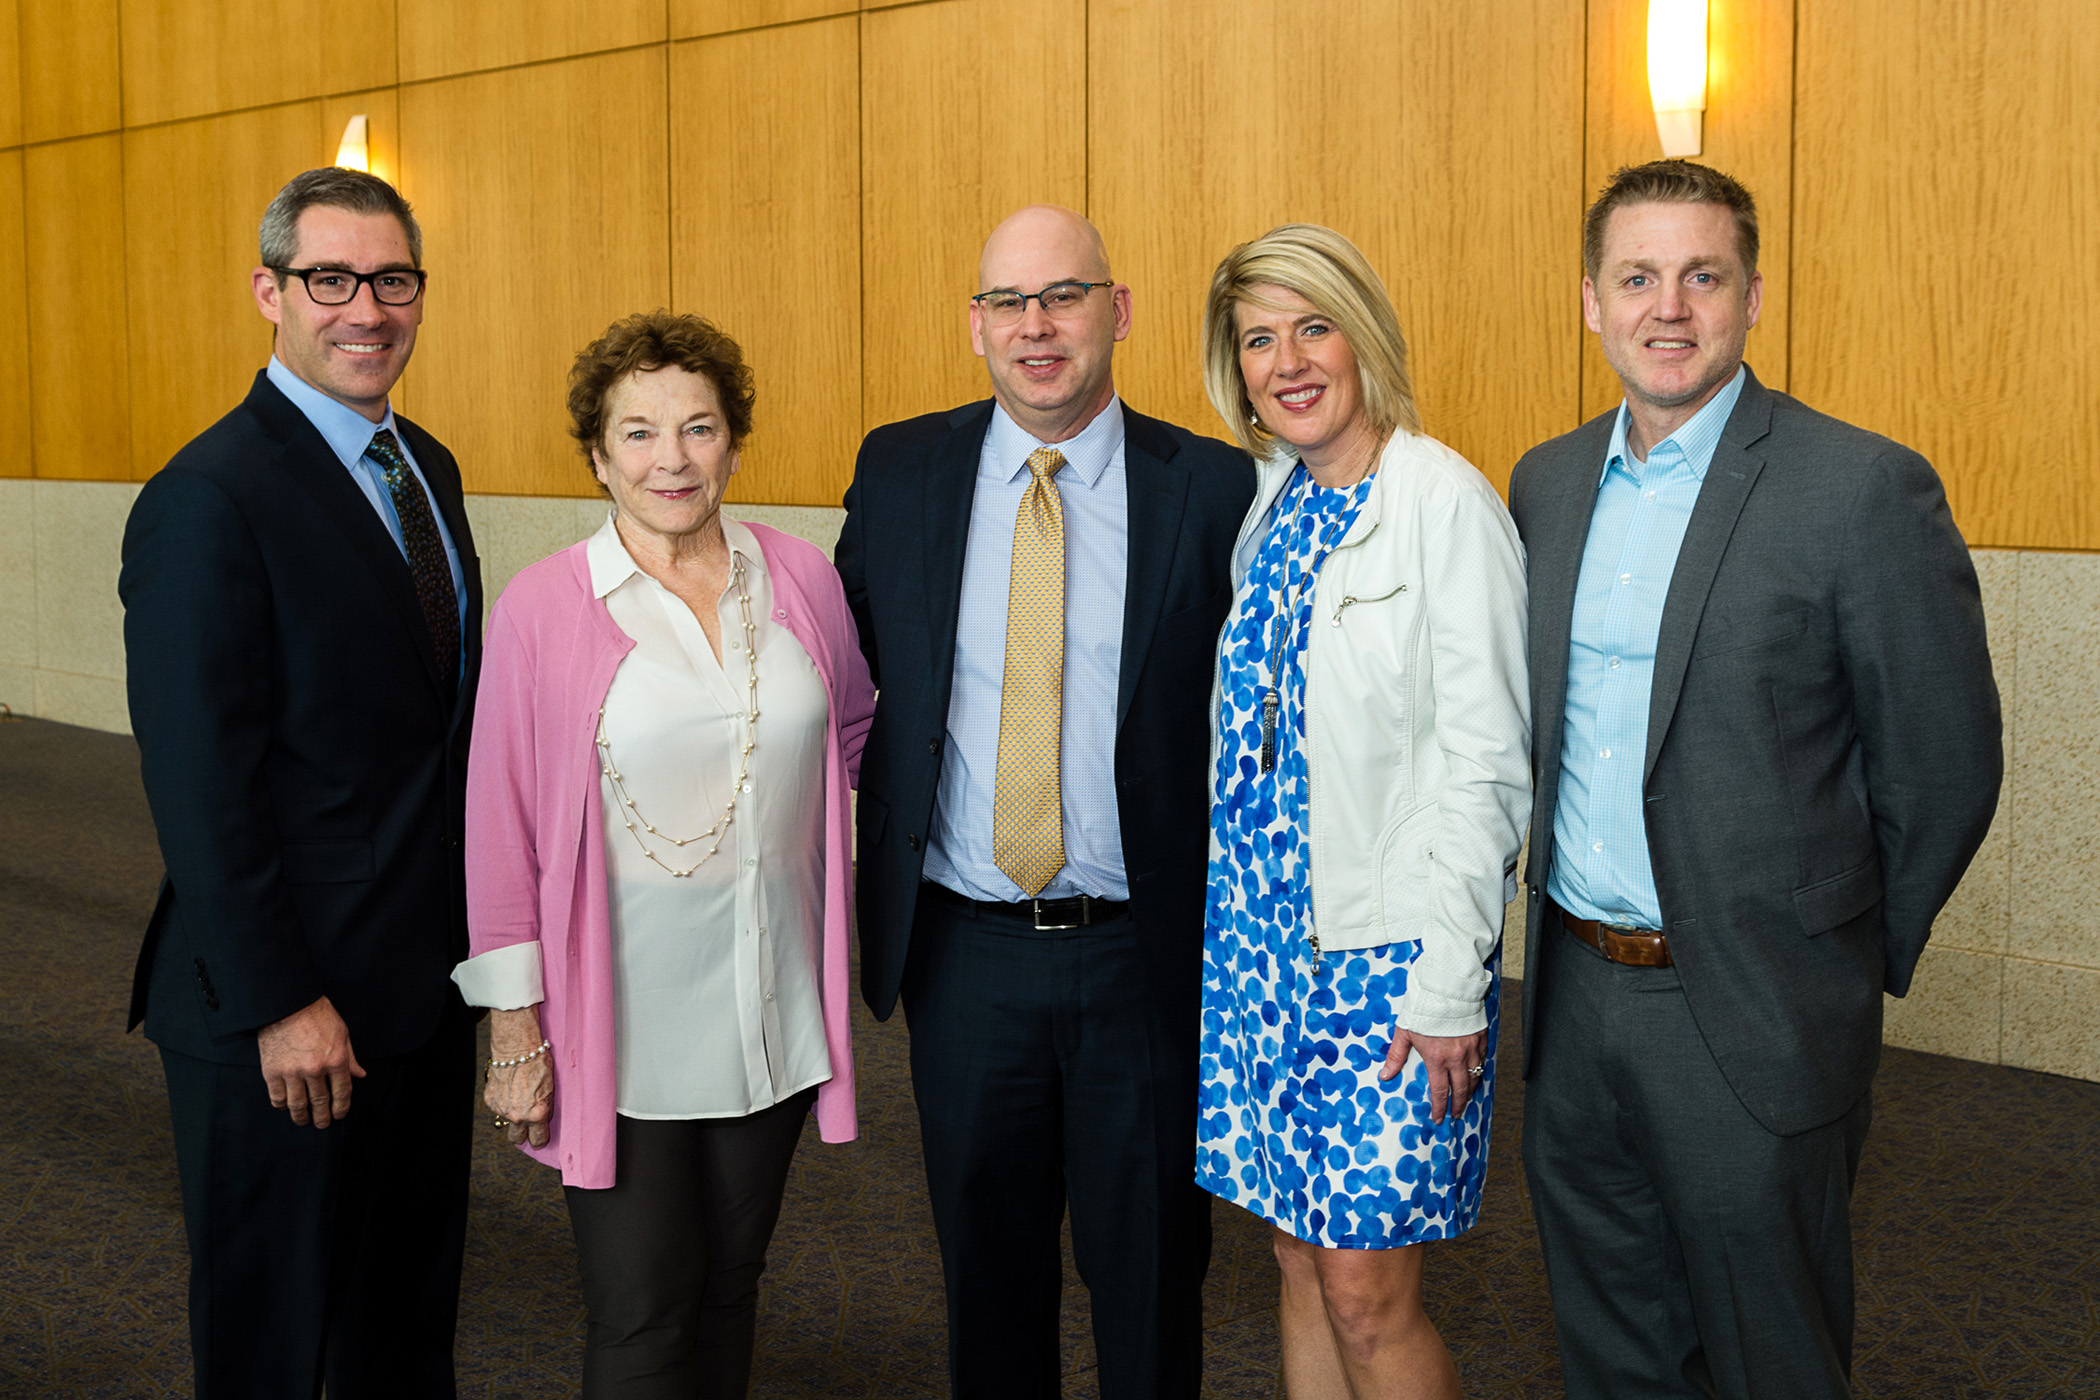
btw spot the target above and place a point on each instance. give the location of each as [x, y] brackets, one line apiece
[1060, 301]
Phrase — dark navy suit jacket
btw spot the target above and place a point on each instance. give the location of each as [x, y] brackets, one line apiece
[304, 757]
[901, 556]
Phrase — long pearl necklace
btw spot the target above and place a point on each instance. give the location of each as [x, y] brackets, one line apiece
[631, 814]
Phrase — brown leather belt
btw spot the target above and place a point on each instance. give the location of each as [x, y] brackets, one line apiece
[1635, 947]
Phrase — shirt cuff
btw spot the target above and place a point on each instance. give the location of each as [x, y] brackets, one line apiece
[502, 979]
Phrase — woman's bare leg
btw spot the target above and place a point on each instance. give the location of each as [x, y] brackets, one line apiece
[1354, 1327]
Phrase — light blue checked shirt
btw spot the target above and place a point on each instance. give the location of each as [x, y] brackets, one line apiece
[1601, 868]
[1093, 490]
[348, 433]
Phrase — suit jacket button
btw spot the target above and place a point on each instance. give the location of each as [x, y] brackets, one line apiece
[211, 1003]
[912, 841]
[933, 746]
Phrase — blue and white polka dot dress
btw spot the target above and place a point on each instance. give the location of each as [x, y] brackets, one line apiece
[1294, 1123]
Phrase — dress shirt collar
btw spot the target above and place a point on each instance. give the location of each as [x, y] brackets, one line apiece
[1696, 438]
[347, 432]
[1007, 445]
[611, 565]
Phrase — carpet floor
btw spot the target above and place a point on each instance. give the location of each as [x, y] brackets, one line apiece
[1977, 1213]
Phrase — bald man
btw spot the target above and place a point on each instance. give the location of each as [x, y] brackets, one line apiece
[1039, 580]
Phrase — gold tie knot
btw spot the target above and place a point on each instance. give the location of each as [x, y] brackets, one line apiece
[1046, 462]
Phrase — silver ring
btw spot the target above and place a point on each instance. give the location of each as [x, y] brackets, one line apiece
[1477, 1071]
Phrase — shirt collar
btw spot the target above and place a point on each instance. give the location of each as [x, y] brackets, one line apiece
[611, 565]
[346, 431]
[1696, 438]
[1007, 445]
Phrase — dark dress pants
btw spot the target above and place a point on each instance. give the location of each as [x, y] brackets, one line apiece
[672, 1251]
[1047, 1066]
[1691, 1251]
[327, 1254]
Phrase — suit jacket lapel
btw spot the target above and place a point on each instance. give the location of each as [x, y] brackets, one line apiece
[1158, 490]
[1729, 481]
[308, 460]
[949, 484]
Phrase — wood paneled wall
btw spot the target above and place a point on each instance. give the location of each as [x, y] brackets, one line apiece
[817, 175]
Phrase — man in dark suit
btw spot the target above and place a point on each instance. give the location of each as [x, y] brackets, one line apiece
[1039, 582]
[1767, 747]
[302, 630]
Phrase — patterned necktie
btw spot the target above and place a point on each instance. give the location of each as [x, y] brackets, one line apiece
[427, 564]
[1028, 830]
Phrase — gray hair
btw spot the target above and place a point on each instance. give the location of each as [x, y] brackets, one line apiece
[335, 187]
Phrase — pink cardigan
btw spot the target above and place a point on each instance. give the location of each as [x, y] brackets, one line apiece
[534, 850]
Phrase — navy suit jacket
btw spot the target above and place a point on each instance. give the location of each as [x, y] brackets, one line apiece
[304, 755]
[901, 556]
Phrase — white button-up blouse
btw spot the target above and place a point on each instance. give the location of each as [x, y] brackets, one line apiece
[716, 1005]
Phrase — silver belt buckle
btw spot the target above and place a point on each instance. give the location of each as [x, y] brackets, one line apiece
[1085, 916]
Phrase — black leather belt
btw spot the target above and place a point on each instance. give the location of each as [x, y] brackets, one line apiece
[1047, 914]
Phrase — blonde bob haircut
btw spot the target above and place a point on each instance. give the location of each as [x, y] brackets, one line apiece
[1327, 270]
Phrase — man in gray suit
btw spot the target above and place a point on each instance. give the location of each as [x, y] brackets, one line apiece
[1767, 746]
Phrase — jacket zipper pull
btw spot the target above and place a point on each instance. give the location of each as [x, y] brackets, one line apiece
[1319, 960]
[1336, 620]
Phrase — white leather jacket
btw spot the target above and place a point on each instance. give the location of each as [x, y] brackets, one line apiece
[1418, 727]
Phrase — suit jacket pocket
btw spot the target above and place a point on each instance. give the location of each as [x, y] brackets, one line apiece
[1750, 632]
[1209, 613]
[327, 862]
[1840, 899]
[871, 816]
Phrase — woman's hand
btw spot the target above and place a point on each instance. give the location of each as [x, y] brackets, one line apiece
[1450, 1060]
[523, 1094]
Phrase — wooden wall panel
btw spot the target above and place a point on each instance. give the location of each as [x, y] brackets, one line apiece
[944, 159]
[1749, 134]
[185, 59]
[543, 194]
[1209, 125]
[1949, 187]
[765, 183]
[206, 183]
[73, 196]
[439, 38]
[69, 68]
[17, 458]
[692, 19]
[10, 75]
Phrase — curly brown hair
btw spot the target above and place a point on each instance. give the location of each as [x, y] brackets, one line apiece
[652, 340]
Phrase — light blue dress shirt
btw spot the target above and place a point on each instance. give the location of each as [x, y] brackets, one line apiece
[348, 433]
[1601, 868]
[1093, 489]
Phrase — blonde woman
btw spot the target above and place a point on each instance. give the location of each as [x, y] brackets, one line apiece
[1370, 785]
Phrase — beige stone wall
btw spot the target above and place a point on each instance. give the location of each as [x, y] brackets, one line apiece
[2013, 972]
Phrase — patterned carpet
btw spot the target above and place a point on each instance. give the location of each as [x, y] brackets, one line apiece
[1978, 1210]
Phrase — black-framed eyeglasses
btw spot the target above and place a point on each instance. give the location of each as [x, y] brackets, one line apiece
[1060, 301]
[337, 286]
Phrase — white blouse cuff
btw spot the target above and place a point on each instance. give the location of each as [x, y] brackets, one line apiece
[503, 979]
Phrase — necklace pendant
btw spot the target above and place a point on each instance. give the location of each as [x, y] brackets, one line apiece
[1270, 701]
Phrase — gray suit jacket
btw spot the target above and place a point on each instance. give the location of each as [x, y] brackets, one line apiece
[1823, 750]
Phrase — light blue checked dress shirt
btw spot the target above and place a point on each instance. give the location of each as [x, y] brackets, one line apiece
[1093, 489]
[1601, 868]
[348, 433]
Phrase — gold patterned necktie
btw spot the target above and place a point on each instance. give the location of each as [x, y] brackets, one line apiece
[1028, 829]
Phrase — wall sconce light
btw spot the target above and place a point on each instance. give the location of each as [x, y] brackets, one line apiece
[1677, 73]
[355, 151]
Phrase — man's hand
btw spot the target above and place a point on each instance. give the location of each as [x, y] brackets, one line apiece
[522, 1094]
[1450, 1060]
[308, 1064]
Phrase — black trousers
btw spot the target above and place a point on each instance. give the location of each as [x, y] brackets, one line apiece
[1047, 1067]
[672, 1251]
[326, 1255]
[1691, 1251]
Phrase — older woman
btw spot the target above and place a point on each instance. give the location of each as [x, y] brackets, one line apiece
[659, 863]
[1370, 787]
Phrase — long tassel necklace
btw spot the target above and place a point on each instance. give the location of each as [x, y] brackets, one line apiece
[631, 814]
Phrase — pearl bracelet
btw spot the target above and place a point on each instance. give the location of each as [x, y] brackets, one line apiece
[507, 1064]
